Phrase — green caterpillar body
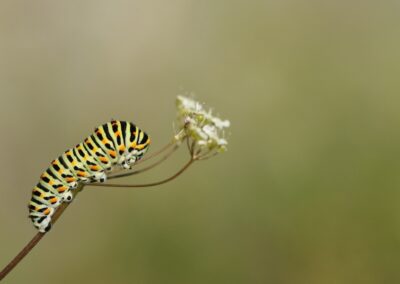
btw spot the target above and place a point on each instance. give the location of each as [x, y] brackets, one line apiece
[114, 144]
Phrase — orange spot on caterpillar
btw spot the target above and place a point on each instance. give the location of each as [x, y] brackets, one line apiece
[112, 153]
[62, 189]
[81, 174]
[94, 168]
[47, 211]
[103, 159]
[53, 200]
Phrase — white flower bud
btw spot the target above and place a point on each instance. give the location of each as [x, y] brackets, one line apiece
[204, 129]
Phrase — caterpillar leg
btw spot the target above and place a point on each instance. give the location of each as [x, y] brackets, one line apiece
[126, 165]
[103, 179]
[131, 160]
[68, 196]
[71, 184]
[66, 193]
[98, 177]
[126, 161]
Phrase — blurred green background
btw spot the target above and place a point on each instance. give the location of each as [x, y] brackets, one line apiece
[309, 189]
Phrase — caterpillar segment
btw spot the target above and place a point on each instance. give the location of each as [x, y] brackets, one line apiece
[97, 171]
[44, 196]
[105, 141]
[62, 173]
[55, 186]
[119, 143]
[40, 215]
[93, 147]
[131, 142]
[116, 143]
[140, 146]
[78, 170]
[83, 169]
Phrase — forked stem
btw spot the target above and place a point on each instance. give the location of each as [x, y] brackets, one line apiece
[152, 155]
[146, 158]
[147, 184]
[126, 174]
[60, 210]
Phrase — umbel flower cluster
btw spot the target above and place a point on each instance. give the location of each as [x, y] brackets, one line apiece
[204, 132]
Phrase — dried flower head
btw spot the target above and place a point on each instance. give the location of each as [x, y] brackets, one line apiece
[204, 131]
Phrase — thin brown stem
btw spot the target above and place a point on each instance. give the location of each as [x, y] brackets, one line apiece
[148, 157]
[148, 184]
[146, 168]
[21, 255]
[188, 145]
[193, 147]
[207, 156]
[35, 240]
[60, 210]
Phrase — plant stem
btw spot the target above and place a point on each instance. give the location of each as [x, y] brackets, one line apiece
[146, 168]
[148, 184]
[116, 172]
[36, 239]
[173, 142]
[21, 255]
[60, 210]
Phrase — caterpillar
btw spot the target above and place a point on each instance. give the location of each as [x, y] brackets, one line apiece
[114, 144]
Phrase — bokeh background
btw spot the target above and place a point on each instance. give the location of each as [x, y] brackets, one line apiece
[309, 189]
